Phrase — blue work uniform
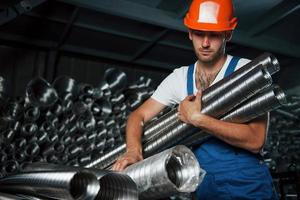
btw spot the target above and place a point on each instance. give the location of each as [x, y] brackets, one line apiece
[231, 172]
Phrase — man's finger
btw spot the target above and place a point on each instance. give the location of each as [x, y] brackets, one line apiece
[199, 95]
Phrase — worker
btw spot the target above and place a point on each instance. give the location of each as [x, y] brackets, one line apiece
[230, 156]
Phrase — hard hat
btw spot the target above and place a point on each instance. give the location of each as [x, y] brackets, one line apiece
[211, 15]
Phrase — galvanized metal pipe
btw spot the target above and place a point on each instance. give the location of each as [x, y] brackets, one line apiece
[5, 196]
[56, 185]
[265, 61]
[262, 103]
[113, 186]
[238, 92]
[176, 170]
[256, 106]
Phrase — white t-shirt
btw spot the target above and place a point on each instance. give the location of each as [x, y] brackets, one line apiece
[172, 89]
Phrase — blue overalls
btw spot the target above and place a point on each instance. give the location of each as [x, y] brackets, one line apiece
[231, 172]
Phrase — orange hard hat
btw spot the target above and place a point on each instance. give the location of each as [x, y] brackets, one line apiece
[211, 15]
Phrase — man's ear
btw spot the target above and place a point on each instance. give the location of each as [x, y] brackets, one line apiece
[190, 33]
[228, 35]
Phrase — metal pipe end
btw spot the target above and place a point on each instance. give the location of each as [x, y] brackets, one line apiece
[183, 169]
[267, 75]
[280, 95]
[274, 67]
[117, 186]
[84, 185]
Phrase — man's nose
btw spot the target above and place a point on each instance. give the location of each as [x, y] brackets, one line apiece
[206, 41]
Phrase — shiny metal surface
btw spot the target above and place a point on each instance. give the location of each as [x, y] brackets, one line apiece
[113, 186]
[65, 84]
[40, 93]
[5, 196]
[56, 185]
[106, 160]
[262, 103]
[238, 92]
[254, 81]
[167, 173]
[265, 61]
[254, 107]
[116, 79]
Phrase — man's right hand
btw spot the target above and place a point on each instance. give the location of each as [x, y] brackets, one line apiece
[130, 157]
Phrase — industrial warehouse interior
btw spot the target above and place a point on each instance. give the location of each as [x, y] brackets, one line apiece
[73, 71]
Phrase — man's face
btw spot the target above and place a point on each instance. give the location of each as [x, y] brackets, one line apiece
[209, 45]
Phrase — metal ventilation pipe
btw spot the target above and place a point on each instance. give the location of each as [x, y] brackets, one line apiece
[113, 186]
[260, 104]
[266, 61]
[176, 170]
[4, 196]
[253, 82]
[57, 185]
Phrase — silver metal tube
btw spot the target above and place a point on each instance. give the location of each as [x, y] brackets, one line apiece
[4, 196]
[56, 185]
[262, 103]
[106, 160]
[254, 107]
[113, 186]
[167, 173]
[253, 82]
[266, 61]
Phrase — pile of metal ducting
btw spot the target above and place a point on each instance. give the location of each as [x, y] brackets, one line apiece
[242, 96]
[66, 122]
[282, 150]
[176, 171]
[54, 129]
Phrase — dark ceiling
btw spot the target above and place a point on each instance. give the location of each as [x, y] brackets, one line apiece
[143, 32]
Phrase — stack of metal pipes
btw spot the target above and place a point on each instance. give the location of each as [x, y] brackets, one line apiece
[49, 181]
[242, 96]
[176, 170]
[66, 122]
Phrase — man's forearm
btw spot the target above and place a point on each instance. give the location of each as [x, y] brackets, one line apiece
[134, 131]
[249, 136]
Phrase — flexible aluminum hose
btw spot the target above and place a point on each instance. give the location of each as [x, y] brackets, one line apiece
[253, 82]
[57, 185]
[167, 173]
[4, 196]
[106, 160]
[262, 103]
[266, 61]
[113, 186]
[258, 105]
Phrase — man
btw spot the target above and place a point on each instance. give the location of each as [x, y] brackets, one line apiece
[231, 155]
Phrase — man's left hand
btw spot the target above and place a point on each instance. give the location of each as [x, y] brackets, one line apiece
[189, 109]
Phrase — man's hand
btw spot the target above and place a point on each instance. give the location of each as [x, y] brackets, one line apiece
[130, 157]
[189, 109]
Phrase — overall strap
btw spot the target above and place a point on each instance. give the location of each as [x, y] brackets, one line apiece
[232, 65]
[190, 80]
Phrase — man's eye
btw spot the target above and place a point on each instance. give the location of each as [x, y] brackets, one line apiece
[199, 34]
